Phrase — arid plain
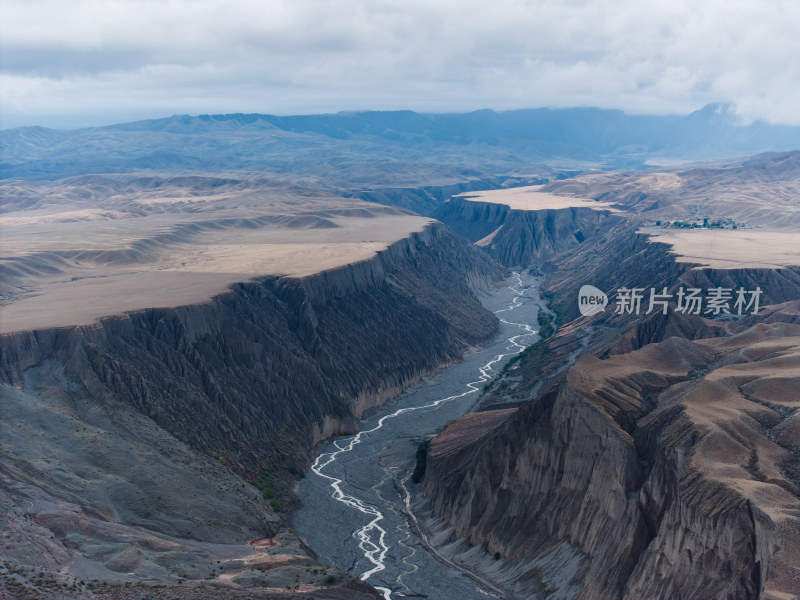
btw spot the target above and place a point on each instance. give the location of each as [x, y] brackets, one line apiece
[77, 251]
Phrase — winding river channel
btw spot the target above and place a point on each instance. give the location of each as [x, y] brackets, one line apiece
[354, 498]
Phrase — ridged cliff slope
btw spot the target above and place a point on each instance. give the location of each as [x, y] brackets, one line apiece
[522, 237]
[140, 426]
[661, 464]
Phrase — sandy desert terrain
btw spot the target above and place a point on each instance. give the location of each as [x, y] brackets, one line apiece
[531, 197]
[733, 249]
[73, 253]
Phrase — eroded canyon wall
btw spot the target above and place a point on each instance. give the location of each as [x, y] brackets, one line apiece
[523, 237]
[279, 357]
[648, 469]
[125, 445]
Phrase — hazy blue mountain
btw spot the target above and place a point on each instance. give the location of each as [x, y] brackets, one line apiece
[364, 149]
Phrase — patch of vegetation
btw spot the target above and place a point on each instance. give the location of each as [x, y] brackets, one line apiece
[273, 484]
[266, 488]
[560, 318]
[546, 328]
[550, 298]
[706, 223]
[296, 471]
[422, 461]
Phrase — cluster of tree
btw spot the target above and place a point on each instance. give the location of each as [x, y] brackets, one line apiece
[706, 223]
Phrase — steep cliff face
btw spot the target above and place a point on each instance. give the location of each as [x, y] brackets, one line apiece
[650, 474]
[522, 237]
[651, 456]
[427, 199]
[124, 442]
[303, 358]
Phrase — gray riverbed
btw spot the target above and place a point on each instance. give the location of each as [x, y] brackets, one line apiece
[352, 514]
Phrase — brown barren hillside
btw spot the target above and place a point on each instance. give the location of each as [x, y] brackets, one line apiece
[760, 192]
[668, 471]
[648, 455]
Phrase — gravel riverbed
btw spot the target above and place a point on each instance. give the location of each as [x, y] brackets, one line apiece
[352, 514]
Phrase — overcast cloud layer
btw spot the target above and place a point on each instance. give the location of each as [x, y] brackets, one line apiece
[68, 63]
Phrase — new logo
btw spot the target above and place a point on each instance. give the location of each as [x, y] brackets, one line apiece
[591, 300]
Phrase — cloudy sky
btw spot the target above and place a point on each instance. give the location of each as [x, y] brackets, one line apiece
[69, 63]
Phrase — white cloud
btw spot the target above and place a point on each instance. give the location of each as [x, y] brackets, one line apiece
[89, 62]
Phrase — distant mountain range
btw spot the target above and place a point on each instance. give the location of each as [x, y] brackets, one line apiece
[368, 149]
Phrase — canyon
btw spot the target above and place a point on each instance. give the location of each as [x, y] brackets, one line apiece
[189, 346]
[229, 386]
[639, 455]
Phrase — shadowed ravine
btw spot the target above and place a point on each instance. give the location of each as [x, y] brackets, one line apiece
[354, 511]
